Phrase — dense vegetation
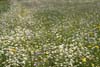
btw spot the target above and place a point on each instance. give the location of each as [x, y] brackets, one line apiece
[4, 5]
[50, 33]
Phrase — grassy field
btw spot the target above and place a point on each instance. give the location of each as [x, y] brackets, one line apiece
[50, 33]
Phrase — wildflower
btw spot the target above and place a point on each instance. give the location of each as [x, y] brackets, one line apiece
[97, 47]
[91, 34]
[92, 64]
[35, 64]
[98, 26]
[83, 59]
[47, 52]
[89, 46]
[12, 50]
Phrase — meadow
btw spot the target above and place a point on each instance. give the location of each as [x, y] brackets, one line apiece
[49, 33]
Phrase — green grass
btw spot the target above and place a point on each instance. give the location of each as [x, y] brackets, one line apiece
[59, 34]
[4, 5]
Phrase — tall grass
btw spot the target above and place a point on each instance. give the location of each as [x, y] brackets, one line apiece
[58, 34]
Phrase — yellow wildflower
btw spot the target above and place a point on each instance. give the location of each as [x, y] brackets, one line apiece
[92, 65]
[83, 59]
[47, 52]
[97, 47]
[12, 50]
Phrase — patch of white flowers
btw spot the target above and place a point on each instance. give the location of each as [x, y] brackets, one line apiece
[29, 41]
